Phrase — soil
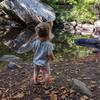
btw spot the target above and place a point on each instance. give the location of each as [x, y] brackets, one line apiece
[16, 84]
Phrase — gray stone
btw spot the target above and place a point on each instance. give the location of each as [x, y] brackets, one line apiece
[73, 23]
[79, 87]
[72, 30]
[88, 27]
[67, 25]
[97, 29]
[97, 23]
[86, 33]
[12, 65]
[78, 28]
[18, 39]
[78, 31]
[25, 48]
[79, 24]
[10, 58]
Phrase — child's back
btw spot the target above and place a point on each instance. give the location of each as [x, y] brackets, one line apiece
[41, 51]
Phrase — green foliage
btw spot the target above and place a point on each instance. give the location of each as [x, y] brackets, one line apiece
[72, 2]
[80, 10]
[75, 50]
[65, 46]
[82, 13]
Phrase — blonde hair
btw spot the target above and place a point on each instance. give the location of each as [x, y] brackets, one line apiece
[44, 29]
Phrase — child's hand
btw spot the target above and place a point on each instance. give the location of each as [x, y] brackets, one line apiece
[51, 56]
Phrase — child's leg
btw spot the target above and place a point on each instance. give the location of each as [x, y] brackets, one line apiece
[46, 74]
[35, 73]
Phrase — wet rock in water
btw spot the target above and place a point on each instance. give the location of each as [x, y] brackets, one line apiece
[79, 87]
[28, 11]
[10, 58]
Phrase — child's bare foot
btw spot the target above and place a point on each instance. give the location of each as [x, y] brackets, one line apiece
[34, 80]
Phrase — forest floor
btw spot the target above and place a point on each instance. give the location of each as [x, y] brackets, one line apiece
[16, 85]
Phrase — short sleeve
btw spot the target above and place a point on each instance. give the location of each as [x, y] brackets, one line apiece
[50, 49]
[34, 44]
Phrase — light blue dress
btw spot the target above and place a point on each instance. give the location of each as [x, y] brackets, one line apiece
[41, 51]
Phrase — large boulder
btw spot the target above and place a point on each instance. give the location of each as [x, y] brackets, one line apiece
[18, 40]
[10, 58]
[28, 11]
[79, 86]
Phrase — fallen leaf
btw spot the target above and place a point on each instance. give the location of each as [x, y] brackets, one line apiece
[63, 96]
[19, 95]
[93, 82]
[37, 98]
[53, 96]
[62, 88]
[93, 86]
[64, 91]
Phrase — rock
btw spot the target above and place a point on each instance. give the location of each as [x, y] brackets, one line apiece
[11, 65]
[79, 25]
[78, 31]
[97, 23]
[79, 87]
[66, 25]
[88, 27]
[19, 40]
[78, 28]
[69, 27]
[86, 33]
[27, 11]
[73, 23]
[25, 48]
[10, 58]
[72, 30]
[97, 28]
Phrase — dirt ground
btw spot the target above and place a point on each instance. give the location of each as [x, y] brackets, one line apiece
[16, 85]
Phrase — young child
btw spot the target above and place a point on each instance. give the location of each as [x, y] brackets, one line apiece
[43, 51]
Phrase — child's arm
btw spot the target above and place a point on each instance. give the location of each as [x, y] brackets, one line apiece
[50, 52]
[51, 56]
